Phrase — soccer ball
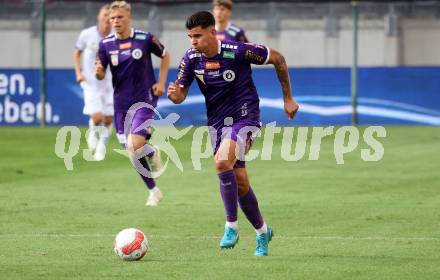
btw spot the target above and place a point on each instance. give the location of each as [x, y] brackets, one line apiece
[130, 244]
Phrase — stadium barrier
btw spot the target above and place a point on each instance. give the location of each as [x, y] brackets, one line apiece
[387, 96]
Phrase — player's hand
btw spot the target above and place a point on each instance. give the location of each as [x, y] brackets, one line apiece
[80, 78]
[172, 88]
[290, 107]
[99, 69]
[173, 92]
[158, 89]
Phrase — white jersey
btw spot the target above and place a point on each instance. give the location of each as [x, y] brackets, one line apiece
[88, 43]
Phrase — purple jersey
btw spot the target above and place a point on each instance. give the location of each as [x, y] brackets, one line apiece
[226, 80]
[232, 33]
[131, 67]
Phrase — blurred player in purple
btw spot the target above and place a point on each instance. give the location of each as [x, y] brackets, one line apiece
[223, 73]
[98, 95]
[226, 31]
[128, 53]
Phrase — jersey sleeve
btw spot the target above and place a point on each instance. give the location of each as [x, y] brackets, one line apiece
[155, 46]
[241, 37]
[186, 73]
[102, 55]
[81, 42]
[254, 53]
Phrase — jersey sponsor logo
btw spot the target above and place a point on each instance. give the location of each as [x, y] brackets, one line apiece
[114, 59]
[140, 37]
[136, 54]
[126, 52]
[244, 110]
[199, 71]
[214, 73]
[250, 55]
[191, 56]
[227, 54]
[181, 70]
[113, 52]
[229, 46]
[229, 75]
[108, 40]
[212, 65]
[125, 46]
[232, 33]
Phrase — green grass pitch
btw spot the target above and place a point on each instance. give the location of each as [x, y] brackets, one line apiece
[360, 220]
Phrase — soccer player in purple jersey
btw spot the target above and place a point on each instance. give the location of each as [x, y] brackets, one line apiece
[128, 53]
[226, 31]
[223, 73]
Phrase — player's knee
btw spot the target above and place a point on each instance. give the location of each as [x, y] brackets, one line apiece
[135, 143]
[108, 120]
[97, 118]
[223, 165]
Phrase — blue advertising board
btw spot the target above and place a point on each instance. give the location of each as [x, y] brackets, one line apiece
[387, 96]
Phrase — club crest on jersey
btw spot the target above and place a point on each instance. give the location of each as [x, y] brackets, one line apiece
[229, 75]
[114, 59]
[136, 53]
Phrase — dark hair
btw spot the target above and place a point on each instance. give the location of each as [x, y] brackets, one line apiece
[203, 19]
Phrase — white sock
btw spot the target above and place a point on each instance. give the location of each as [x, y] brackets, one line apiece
[233, 225]
[92, 139]
[154, 190]
[262, 230]
[103, 137]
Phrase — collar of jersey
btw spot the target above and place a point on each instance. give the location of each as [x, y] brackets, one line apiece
[131, 34]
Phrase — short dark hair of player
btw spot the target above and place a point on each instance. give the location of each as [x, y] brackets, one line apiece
[225, 3]
[203, 19]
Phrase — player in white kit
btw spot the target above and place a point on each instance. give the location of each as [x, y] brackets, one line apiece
[98, 95]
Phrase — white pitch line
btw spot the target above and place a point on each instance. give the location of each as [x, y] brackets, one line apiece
[282, 237]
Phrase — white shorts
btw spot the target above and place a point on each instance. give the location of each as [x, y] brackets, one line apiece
[97, 100]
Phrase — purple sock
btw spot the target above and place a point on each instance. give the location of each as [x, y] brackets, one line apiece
[229, 192]
[147, 180]
[249, 205]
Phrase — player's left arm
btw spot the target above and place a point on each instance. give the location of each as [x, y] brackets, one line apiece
[278, 60]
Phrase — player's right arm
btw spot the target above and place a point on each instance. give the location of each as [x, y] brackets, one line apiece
[77, 65]
[79, 47]
[178, 90]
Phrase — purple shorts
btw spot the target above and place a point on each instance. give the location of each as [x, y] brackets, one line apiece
[243, 132]
[133, 122]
